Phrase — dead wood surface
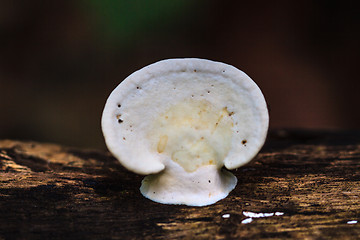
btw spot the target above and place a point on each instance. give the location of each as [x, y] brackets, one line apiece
[311, 179]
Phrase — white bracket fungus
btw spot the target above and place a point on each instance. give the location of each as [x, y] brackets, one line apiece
[179, 121]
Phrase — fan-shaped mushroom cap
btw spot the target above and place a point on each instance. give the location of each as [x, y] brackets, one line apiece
[183, 117]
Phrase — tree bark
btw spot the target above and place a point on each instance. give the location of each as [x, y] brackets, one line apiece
[302, 185]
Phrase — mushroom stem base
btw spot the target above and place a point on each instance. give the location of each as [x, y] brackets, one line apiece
[174, 185]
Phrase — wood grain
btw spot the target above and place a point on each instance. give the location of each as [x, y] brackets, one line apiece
[310, 179]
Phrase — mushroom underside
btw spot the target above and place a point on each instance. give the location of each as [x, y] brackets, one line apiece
[174, 185]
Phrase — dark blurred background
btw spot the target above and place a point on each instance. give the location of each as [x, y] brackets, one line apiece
[59, 60]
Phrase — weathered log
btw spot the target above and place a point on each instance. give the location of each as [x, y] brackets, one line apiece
[307, 182]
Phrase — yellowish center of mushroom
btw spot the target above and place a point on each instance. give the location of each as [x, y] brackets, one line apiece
[194, 133]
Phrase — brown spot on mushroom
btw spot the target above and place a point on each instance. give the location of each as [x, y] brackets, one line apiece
[194, 70]
[118, 116]
[208, 91]
[225, 110]
[162, 144]
[124, 138]
[138, 87]
[120, 120]
[244, 141]
[219, 120]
